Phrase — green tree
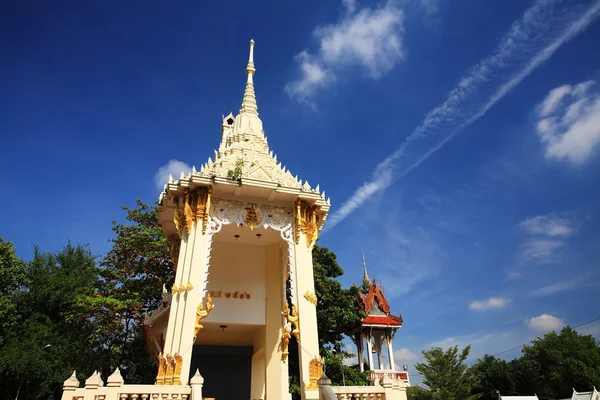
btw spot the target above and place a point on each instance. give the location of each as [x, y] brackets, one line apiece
[337, 314]
[555, 364]
[12, 278]
[418, 393]
[132, 276]
[446, 374]
[493, 374]
[44, 345]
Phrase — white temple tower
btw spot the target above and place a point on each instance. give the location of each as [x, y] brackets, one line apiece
[242, 229]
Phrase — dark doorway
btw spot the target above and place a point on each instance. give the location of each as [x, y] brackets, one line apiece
[227, 371]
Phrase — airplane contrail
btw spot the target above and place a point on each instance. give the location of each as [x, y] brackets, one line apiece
[531, 40]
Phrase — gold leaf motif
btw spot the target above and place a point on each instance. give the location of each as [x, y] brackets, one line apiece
[311, 297]
[178, 219]
[315, 370]
[293, 318]
[175, 243]
[251, 218]
[285, 340]
[188, 287]
[177, 370]
[203, 206]
[170, 369]
[306, 221]
[160, 376]
[189, 213]
[202, 313]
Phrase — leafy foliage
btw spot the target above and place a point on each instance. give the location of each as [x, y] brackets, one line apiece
[133, 273]
[44, 345]
[446, 374]
[494, 374]
[12, 278]
[418, 393]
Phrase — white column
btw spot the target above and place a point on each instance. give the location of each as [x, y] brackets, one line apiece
[390, 337]
[370, 350]
[378, 350]
[307, 312]
[359, 352]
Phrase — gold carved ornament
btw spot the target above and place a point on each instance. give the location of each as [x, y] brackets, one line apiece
[202, 313]
[285, 341]
[203, 196]
[315, 370]
[311, 297]
[307, 221]
[178, 218]
[169, 370]
[293, 319]
[188, 212]
[251, 218]
[177, 370]
[160, 376]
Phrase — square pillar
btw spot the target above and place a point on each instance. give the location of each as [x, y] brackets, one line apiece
[276, 371]
[307, 313]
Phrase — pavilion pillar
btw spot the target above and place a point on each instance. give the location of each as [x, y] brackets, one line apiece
[276, 370]
[390, 338]
[308, 348]
[186, 291]
[378, 350]
[370, 349]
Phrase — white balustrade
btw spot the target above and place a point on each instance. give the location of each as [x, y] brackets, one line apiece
[116, 390]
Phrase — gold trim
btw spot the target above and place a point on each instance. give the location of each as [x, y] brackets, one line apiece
[285, 341]
[311, 297]
[188, 212]
[251, 218]
[178, 218]
[160, 376]
[188, 287]
[306, 221]
[202, 313]
[170, 368]
[177, 371]
[293, 318]
[315, 370]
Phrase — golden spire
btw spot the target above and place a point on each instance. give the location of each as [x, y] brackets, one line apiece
[249, 105]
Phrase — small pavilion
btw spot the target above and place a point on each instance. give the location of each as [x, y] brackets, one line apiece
[377, 331]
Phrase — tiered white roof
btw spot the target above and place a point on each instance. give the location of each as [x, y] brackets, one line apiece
[244, 151]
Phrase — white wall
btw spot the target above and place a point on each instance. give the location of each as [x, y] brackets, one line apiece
[241, 268]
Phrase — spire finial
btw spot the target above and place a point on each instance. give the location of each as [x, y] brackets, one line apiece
[249, 102]
[366, 276]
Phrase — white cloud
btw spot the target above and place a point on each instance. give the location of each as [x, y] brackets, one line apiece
[547, 234]
[545, 323]
[173, 167]
[533, 39]
[404, 355]
[547, 225]
[491, 303]
[540, 250]
[556, 288]
[569, 125]
[370, 39]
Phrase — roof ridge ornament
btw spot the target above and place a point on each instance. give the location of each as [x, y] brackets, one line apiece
[249, 105]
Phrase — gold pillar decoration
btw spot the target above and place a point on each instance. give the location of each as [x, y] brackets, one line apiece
[251, 218]
[315, 369]
[178, 218]
[203, 195]
[160, 376]
[177, 370]
[188, 212]
[311, 297]
[293, 319]
[285, 341]
[169, 370]
[307, 221]
[202, 313]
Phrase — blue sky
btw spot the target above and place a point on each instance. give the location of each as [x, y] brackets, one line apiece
[458, 140]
